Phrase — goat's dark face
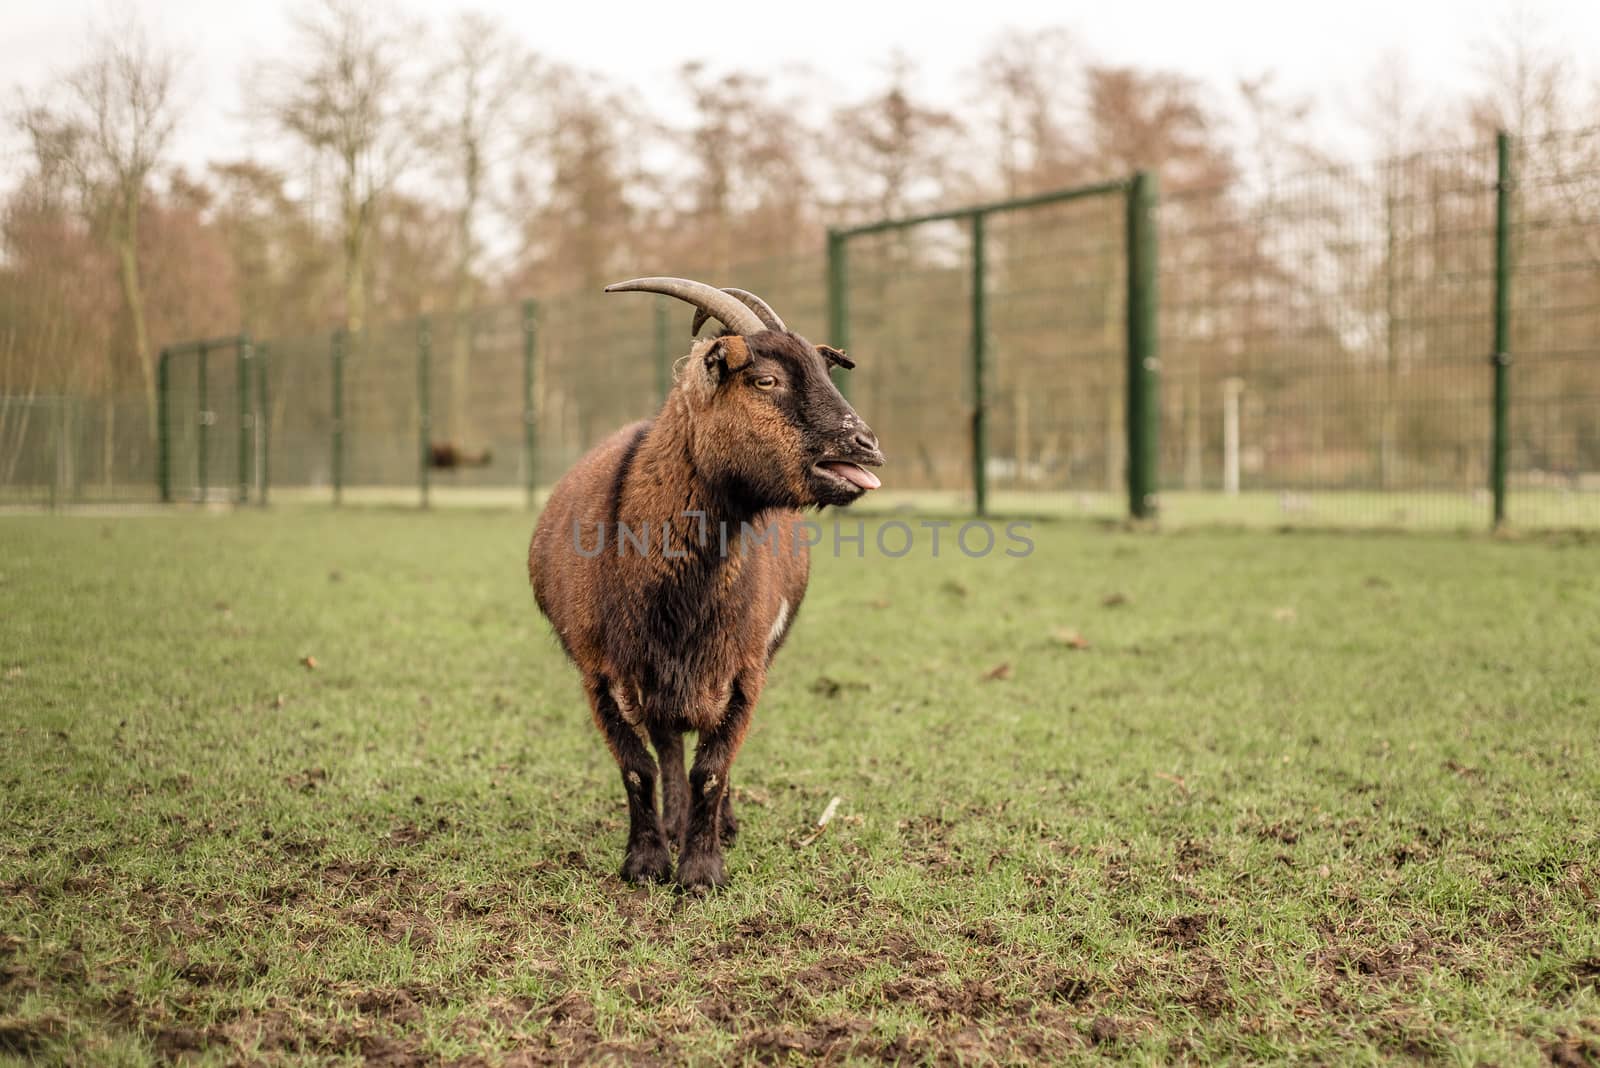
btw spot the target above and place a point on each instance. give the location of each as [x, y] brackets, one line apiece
[779, 432]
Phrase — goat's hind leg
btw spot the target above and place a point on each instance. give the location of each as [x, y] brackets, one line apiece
[647, 859]
[674, 782]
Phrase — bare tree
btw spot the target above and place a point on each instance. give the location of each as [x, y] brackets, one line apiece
[896, 146]
[579, 196]
[1155, 119]
[1529, 84]
[481, 91]
[108, 131]
[747, 181]
[350, 98]
[1029, 86]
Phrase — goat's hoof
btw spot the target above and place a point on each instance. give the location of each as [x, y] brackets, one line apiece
[701, 871]
[647, 864]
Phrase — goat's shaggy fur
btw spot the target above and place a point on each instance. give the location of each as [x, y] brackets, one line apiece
[673, 631]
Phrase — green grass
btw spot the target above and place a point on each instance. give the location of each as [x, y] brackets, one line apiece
[1307, 796]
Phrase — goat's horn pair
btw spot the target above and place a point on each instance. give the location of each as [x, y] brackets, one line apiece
[749, 300]
[739, 311]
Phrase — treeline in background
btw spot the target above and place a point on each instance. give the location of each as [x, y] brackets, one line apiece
[409, 169]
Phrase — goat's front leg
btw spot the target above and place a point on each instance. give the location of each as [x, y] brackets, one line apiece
[647, 858]
[674, 782]
[700, 863]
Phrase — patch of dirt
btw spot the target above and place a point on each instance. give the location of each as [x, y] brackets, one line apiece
[1194, 856]
[1207, 990]
[1278, 832]
[822, 1040]
[927, 844]
[1582, 974]
[1187, 930]
[1104, 1031]
[1573, 1049]
[27, 1036]
[290, 1031]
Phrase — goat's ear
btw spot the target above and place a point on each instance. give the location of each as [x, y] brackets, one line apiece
[727, 354]
[836, 357]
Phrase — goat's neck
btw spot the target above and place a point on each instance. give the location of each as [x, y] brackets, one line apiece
[664, 486]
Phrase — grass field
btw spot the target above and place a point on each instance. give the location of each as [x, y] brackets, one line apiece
[299, 786]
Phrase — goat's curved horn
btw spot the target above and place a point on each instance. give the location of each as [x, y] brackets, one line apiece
[749, 300]
[714, 302]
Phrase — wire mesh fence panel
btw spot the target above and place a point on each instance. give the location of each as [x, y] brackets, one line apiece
[1057, 280]
[475, 432]
[37, 461]
[1554, 461]
[203, 424]
[114, 452]
[298, 409]
[599, 369]
[910, 334]
[380, 448]
[1325, 346]
[57, 451]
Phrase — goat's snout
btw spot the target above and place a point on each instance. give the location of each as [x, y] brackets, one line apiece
[865, 439]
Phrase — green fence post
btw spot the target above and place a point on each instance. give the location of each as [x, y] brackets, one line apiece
[839, 302]
[263, 428]
[203, 413]
[164, 426]
[530, 414]
[1144, 362]
[1501, 439]
[424, 415]
[339, 337]
[242, 372]
[980, 359]
[663, 353]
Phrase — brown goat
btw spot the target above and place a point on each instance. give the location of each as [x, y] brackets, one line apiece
[669, 562]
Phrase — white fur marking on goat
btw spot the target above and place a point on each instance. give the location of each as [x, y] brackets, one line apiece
[777, 627]
[633, 777]
[711, 783]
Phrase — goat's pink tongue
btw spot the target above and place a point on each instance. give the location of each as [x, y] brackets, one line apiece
[854, 473]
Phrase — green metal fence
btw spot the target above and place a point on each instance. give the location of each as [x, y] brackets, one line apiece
[1414, 342]
[1003, 347]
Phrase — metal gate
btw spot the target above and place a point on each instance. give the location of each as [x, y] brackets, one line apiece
[1009, 349]
[211, 431]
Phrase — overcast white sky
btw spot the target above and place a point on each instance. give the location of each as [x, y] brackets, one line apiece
[1326, 50]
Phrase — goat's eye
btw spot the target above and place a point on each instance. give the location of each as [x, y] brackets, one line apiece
[766, 382]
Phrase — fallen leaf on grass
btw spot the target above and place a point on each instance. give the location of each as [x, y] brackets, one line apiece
[14, 672]
[1070, 638]
[309, 663]
[1284, 615]
[1114, 600]
[998, 673]
[957, 588]
[1176, 780]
